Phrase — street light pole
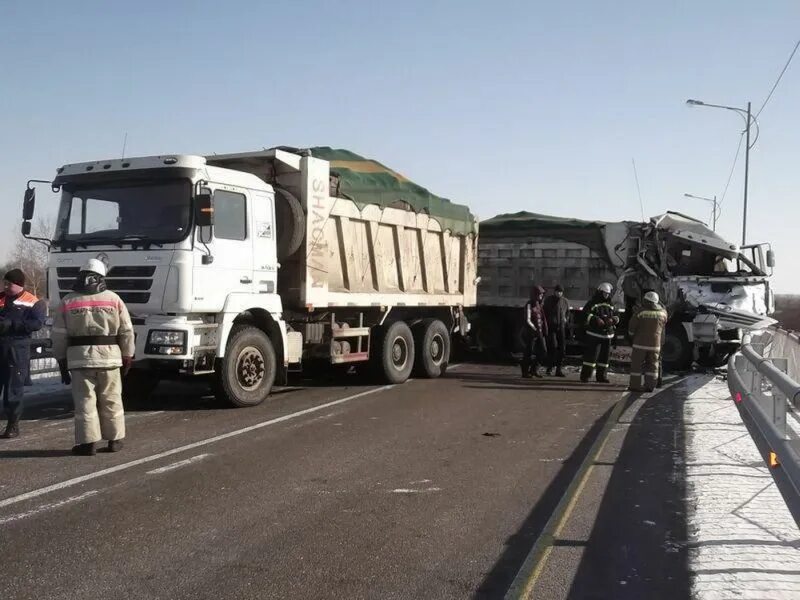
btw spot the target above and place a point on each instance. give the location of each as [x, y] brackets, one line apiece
[749, 120]
[713, 202]
[746, 176]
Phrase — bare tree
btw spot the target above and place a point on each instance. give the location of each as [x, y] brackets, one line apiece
[31, 256]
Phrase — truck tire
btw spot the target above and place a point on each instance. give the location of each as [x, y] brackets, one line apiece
[396, 353]
[290, 223]
[432, 349]
[677, 351]
[137, 388]
[244, 377]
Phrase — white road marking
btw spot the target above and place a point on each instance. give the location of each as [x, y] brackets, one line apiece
[421, 491]
[178, 465]
[44, 507]
[154, 457]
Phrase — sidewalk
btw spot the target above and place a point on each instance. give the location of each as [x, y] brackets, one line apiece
[678, 505]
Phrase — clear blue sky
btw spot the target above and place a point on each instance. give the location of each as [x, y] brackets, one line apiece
[505, 106]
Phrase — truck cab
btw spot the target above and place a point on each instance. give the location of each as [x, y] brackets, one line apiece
[190, 248]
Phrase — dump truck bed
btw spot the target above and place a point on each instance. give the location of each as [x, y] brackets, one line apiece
[518, 250]
[372, 238]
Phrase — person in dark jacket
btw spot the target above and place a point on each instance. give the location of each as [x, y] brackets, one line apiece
[534, 334]
[21, 313]
[600, 320]
[556, 310]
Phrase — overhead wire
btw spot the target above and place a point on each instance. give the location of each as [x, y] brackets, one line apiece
[777, 81]
[730, 175]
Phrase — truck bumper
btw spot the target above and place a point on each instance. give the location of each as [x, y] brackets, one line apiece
[177, 344]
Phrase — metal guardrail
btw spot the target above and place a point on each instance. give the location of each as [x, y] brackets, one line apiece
[762, 389]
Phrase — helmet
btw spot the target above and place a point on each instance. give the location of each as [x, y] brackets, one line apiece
[652, 297]
[606, 288]
[94, 265]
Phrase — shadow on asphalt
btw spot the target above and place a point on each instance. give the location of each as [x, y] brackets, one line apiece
[517, 547]
[637, 547]
[4, 454]
[484, 381]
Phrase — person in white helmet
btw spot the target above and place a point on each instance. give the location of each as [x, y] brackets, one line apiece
[92, 340]
[600, 322]
[646, 327]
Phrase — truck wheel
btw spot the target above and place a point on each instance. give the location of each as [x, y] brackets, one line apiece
[396, 355]
[246, 374]
[676, 353]
[290, 223]
[137, 388]
[432, 342]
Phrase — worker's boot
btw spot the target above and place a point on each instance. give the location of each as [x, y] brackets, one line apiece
[526, 370]
[115, 445]
[84, 450]
[559, 372]
[586, 373]
[601, 376]
[12, 429]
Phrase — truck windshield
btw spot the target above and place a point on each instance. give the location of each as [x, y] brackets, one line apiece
[116, 212]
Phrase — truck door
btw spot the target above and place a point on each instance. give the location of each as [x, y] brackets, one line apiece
[229, 243]
[265, 263]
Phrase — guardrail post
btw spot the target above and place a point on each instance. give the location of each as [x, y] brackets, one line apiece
[779, 398]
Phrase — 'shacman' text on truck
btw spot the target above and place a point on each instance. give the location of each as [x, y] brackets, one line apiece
[712, 288]
[245, 266]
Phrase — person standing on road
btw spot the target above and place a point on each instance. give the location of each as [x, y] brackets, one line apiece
[556, 310]
[92, 340]
[534, 334]
[21, 313]
[646, 327]
[600, 321]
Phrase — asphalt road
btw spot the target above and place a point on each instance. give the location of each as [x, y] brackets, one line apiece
[432, 489]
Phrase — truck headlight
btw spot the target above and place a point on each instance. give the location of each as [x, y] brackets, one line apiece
[168, 342]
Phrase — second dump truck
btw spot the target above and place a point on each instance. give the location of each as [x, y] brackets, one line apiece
[712, 288]
[245, 266]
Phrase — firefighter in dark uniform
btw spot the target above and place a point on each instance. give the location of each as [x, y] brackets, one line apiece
[21, 313]
[600, 322]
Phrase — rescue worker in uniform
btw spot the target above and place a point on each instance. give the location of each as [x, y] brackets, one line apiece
[556, 309]
[646, 328]
[21, 313]
[92, 340]
[534, 334]
[600, 322]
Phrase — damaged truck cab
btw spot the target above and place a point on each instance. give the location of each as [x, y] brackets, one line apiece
[712, 288]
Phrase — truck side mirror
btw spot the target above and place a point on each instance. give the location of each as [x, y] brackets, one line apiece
[26, 228]
[28, 204]
[771, 258]
[204, 210]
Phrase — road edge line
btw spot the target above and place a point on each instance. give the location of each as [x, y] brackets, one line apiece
[532, 568]
[534, 563]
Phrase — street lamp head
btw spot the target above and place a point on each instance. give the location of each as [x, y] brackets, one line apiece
[688, 195]
[691, 102]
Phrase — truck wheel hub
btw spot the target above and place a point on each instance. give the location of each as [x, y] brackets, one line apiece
[250, 368]
[399, 353]
[437, 346]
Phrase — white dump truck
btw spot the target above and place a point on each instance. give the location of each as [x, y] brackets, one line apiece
[246, 266]
[712, 288]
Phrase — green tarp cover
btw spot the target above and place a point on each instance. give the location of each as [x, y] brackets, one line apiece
[526, 224]
[366, 181]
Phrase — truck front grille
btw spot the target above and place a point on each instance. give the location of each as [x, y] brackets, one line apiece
[130, 282]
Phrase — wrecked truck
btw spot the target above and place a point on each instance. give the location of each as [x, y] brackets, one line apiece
[712, 289]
